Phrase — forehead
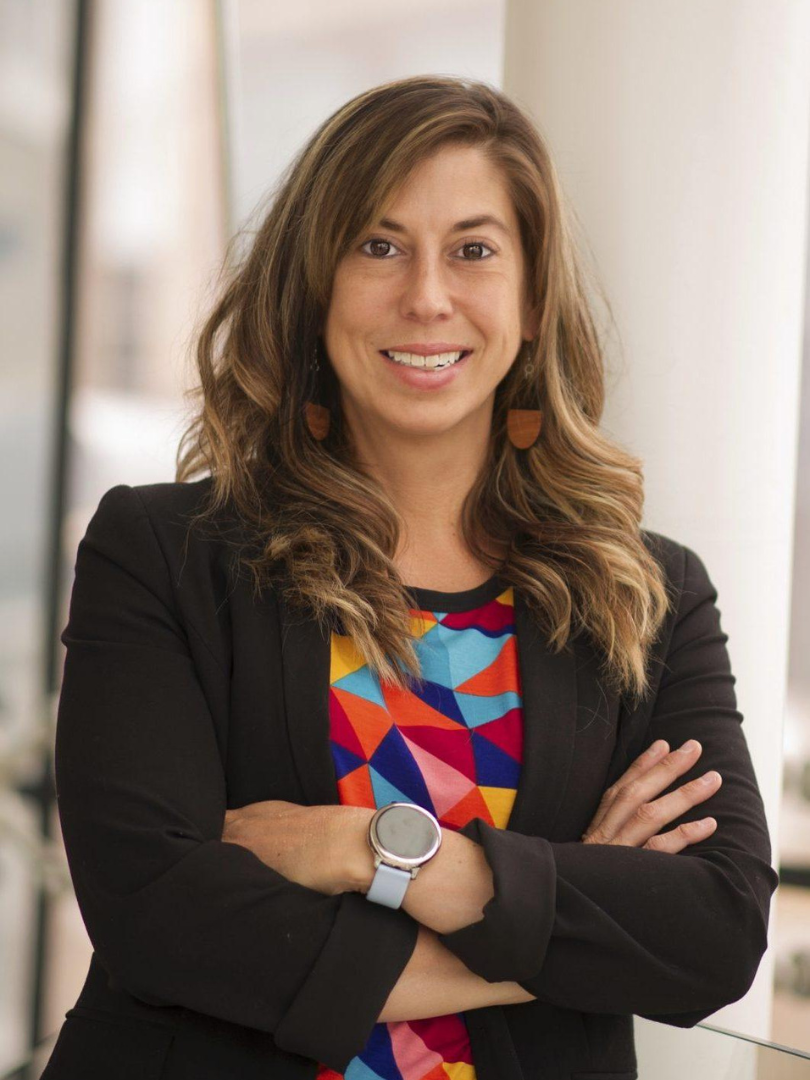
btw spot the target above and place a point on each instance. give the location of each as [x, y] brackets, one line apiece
[455, 188]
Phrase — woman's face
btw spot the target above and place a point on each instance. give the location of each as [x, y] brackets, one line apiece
[429, 277]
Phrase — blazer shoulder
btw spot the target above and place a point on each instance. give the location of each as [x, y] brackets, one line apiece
[162, 502]
[167, 513]
[171, 501]
[171, 508]
[672, 554]
[685, 570]
[664, 548]
[149, 529]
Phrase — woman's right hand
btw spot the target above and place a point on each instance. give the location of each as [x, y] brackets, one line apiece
[630, 815]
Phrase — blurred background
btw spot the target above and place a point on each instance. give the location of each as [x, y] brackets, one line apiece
[137, 138]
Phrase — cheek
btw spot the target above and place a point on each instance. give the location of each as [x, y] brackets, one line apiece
[357, 295]
[355, 319]
[494, 304]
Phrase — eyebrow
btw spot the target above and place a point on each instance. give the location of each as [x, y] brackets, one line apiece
[460, 226]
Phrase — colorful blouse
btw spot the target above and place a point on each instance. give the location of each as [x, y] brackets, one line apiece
[454, 745]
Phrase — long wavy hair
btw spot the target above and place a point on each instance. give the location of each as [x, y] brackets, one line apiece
[567, 511]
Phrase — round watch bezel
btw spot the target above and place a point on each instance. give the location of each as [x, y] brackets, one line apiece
[390, 857]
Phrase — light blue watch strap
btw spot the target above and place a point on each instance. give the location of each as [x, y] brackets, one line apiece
[389, 886]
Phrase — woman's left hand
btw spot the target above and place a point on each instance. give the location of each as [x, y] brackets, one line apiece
[315, 846]
[631, 816]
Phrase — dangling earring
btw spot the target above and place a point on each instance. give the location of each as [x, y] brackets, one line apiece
[523, 425]
[317, 416]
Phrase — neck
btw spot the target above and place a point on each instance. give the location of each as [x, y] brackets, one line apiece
[427, 476]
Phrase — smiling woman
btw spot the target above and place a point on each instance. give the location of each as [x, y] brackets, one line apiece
[381, 750]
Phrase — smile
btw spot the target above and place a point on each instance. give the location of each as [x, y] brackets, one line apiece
[436, 362]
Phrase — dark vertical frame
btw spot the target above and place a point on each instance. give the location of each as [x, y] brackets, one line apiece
[42, 792]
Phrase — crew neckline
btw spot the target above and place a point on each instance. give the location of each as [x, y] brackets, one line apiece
[464, 600]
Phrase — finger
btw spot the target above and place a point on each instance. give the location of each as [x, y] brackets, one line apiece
[643, 789]
[622, 799]
[690, 832]
[651, 817]
[643, 762]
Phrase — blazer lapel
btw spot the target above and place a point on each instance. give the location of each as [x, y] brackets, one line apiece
[549, 695]
[305, 653]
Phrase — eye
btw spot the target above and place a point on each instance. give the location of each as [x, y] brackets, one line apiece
[377, 240]
[478, 244]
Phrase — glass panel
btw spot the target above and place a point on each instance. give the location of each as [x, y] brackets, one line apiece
[36, 62]
[151, 238]
[671, 1053]
[790, 931]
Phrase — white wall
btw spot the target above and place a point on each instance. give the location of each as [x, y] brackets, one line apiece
[680, 129]
[289, 67]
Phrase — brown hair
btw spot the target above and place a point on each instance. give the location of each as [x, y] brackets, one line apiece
[567, 510]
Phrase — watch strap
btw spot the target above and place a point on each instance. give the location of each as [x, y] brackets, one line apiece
[389, 886]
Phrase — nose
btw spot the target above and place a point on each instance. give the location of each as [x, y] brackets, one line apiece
[426, 290]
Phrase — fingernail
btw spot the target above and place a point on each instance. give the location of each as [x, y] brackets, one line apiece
[710, 778]
[657, 748]
[688, 747]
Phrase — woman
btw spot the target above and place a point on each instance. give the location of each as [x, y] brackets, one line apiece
[416, 575]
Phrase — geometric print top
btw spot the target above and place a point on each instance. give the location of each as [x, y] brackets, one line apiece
[452, 744]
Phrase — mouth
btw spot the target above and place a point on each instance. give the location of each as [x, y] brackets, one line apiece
[436, 362]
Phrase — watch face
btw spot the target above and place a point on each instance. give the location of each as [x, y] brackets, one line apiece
[405, 832]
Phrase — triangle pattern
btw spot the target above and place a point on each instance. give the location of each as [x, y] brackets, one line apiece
[445, 784]
[344, 761]
[446, 1032]
[413, 1056]
[378, 1054]
[356, 789]
[342, 731]
[446, 744]
[495, 768]
[344, 658]
[500, 801]
[403, 704]
[451, 742]
[473, 805]
[506, 732]
[369, 723]
[499, 676]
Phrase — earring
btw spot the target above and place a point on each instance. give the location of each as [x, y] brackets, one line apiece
[317, 416]
[523, 425]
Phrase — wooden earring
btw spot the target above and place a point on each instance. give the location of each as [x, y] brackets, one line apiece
[523, 427]
[317, 420]
[317, 416]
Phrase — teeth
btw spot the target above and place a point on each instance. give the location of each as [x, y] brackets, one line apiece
[438, 360]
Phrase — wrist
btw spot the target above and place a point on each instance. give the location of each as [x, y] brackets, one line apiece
[451, 891]
[357, 859]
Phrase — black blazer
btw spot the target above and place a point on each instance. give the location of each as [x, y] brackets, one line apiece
[184, 695]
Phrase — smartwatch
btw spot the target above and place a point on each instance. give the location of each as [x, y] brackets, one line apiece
[403, 837]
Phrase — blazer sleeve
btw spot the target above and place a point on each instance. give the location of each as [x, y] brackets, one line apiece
[177, 916]
[612, 929]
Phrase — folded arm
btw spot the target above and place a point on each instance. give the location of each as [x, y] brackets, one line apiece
[595, 927]
[608, 928]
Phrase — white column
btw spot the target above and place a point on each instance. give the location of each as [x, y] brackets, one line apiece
[680, 130]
